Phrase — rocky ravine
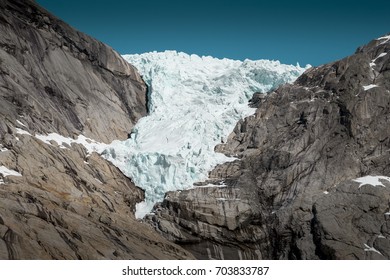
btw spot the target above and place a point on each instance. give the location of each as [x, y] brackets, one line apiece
[67, 203]
[291, 194]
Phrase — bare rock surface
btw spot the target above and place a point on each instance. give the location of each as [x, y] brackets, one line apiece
[60, 201]
[61, 80]
[291, 193]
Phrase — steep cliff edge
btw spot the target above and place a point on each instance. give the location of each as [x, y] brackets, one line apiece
[310, 179]
[57, 200]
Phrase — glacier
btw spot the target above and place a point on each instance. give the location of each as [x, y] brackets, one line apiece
[194, 103]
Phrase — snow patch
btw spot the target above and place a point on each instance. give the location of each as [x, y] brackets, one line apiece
[372, 180]
[90, 144]
[381, 236]
[20, 123]
[387, 213]
[372, 63]
[3, 149]
[381, 55]
[8, 172]
[22, 132]
[326, 192]
[369, 87]
[194, 102]
[371, 249]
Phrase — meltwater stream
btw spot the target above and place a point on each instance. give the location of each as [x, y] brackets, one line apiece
[194, 103]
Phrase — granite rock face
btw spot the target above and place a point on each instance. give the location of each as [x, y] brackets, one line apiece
[291, 193]
[66, 203]
[85, 85]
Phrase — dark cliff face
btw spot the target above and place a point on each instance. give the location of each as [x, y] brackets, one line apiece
[291, 194]
[67, 203]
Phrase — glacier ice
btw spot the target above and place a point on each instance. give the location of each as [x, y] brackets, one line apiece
[194, 103]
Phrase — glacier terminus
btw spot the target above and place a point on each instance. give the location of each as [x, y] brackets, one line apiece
[194, 103]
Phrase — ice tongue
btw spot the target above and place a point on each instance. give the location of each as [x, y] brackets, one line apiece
[194, 103]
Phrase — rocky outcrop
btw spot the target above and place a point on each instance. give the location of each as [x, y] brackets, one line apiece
[61, 201]
[291, 193]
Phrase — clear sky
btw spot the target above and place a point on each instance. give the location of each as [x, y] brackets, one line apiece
[313, 32]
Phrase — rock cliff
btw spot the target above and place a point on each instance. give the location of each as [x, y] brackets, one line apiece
[57, 200]
[310, 179]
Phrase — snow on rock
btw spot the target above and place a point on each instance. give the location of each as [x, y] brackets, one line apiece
[372, 180]
[372, 63]
[90, 144]
[369, 87]
[8, 172]
[385, 38]
[22, 132]
[3, 149]
[381, 55]
[20, 123]
[371, 249]
[194, 102]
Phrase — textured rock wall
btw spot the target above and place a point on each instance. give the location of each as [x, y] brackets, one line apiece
[291, 193]
[61, 80]
[67, 203]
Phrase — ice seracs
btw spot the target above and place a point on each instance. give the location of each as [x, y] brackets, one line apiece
[194, 102]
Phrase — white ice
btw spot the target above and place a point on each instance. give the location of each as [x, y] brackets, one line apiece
[372, 180]
[369, 87]
[194, 104]
[8, 172]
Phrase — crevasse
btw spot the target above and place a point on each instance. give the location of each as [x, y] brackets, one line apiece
[194, 104]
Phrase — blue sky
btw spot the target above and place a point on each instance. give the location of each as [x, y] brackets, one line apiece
[313, 32]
